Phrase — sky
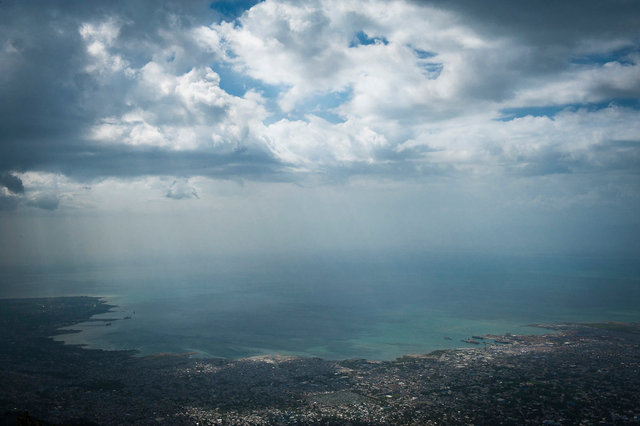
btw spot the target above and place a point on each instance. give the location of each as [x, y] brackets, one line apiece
[162, 130]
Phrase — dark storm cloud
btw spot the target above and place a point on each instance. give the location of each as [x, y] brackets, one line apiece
[12, 183]
[550, 23]
[50, 101]
[550, 35]
[45, 202]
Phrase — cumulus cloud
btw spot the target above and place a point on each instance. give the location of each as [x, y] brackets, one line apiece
[282, 90]
[182, 189]
[425, 75]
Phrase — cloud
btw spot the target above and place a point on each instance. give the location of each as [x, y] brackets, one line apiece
[181, 189]
[12, 183]
[572, 141]
[280, 90]
[569, 23]
[11, 191]
[45, 202]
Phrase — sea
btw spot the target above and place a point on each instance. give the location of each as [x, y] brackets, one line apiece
[376, 306]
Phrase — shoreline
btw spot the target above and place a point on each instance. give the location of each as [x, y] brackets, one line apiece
[575, 374]
[103, 306]
[447, 343]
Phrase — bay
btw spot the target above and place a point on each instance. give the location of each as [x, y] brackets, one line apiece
[334, 306]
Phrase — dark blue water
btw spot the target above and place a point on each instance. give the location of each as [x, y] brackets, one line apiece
[337, 306]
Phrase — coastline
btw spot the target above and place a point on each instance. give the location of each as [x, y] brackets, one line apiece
[575, 372]
[147, 337]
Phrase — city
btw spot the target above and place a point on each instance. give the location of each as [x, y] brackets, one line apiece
[575, 374]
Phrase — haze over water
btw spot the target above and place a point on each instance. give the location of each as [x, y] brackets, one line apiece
[369, 306]
[323, 177]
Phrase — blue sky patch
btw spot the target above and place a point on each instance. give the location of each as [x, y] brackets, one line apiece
[236, 83]
[619, 55]
[322, 105]
[431, 69]
[423, 54]
[232, 9]
[362, 39]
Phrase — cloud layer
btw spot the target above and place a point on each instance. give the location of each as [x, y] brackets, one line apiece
[288, 91]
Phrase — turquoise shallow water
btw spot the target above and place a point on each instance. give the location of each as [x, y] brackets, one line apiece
[336, 307]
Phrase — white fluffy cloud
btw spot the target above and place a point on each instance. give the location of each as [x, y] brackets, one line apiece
[355, 87]
[421, 77]
[182, 112]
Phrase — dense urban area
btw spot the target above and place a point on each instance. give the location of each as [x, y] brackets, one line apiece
[575, 374]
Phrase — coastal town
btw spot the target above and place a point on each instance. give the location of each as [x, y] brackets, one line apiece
[574, 374]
